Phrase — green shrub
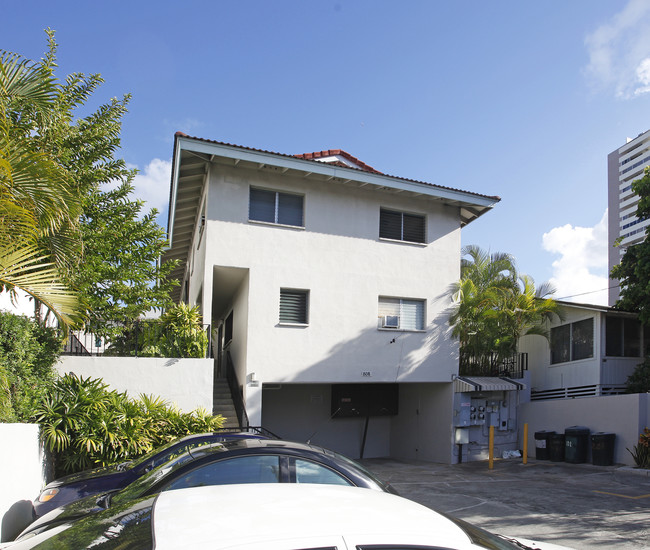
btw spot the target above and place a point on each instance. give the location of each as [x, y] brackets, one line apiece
[86, 425]
[28, 353]
[179, 332]
[182, 332]
[639, 380]
[641, 451]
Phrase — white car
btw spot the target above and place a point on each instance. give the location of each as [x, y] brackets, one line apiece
[273, 517]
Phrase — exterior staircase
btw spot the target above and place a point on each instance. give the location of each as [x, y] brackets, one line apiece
[222, 403]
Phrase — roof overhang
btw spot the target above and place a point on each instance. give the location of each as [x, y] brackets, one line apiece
[193, 156]
[486, 383]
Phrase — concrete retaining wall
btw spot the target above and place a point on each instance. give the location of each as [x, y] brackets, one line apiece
[21, 471]
[623, 415]
[188, 383]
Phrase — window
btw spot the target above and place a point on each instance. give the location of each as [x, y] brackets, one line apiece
[275, 207]
[245, 469]
[572, 342]
[401, 314]
[623, 337]
[400, 226]
[294, 306]
[310, 472]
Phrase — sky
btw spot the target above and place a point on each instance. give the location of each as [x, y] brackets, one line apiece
[523, 100]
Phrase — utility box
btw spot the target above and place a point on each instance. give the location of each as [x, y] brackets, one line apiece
[463, 410]
[462, 436]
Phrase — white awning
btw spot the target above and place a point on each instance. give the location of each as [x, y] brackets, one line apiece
[486, 383]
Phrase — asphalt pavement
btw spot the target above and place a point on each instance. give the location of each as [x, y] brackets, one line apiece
[581, 506]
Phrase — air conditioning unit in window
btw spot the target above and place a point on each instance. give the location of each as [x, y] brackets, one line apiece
[390, 321]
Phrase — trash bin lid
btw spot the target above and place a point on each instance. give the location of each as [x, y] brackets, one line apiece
[543, 434]
[602, 435]
[577, 430]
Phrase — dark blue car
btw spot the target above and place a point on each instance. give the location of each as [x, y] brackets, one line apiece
[240, 461]
[101, 480]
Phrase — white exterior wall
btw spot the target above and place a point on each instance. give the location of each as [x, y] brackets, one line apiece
[187, 383]
[623, 415]
[21, 475]
[341, 261]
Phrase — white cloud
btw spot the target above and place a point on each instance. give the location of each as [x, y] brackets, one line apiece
[580, 273]
[152, 184]
[619, 51]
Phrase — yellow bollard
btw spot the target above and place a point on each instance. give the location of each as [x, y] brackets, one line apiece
[491, 460]
[525, 450]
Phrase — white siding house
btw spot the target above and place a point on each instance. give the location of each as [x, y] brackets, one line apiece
[591, 352]
[319, 273]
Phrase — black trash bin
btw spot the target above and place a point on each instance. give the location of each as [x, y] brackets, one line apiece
[602, 448]
[556, 450]
[542, 444]
[576, 444]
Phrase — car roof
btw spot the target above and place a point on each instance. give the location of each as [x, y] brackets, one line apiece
[307, 515]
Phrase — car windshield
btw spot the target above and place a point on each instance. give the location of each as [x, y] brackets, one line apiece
[484, 538]
[141, 485]
[356, 466]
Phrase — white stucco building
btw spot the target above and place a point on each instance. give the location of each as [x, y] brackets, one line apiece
[327, 286]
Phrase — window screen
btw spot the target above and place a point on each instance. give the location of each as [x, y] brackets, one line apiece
[400, 313]
[573, 341]
[401, 226]
[275, 207]
[293, 306]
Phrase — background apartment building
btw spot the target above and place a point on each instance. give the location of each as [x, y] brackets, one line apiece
[624, 165]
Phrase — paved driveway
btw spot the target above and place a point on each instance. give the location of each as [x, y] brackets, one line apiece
[577, 505]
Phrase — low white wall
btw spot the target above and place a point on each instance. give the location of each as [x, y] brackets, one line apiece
[623, 415]
[187, 383]
[21, 466]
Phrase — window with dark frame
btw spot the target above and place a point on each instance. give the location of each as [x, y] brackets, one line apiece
[572, 341]
[401, 226]
[276, 207]
[623, 336]
[294, 306]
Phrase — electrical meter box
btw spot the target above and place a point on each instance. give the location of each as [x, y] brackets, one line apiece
[463, 410]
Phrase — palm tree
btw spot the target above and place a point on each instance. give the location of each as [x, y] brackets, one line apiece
[38, 209]
[495, 306]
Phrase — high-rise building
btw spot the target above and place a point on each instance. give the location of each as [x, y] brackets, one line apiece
[625, 165]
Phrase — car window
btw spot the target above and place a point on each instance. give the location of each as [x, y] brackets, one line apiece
[242, 469]
[311, 472]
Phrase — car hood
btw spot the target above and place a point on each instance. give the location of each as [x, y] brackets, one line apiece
[74, 510]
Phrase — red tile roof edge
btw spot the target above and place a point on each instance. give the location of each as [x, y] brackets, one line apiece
[243, 147]
[339, 152]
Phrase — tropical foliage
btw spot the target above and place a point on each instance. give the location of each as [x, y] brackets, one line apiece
[85, 425]
[39, 209]
[179, 332]
[67, 219]
[28, 353]
[494, 307]
[641, 451]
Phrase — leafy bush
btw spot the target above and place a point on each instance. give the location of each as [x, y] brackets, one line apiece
[178, 333]
[86, 425]
[28, 353]
[639, 380]
[641, 451]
